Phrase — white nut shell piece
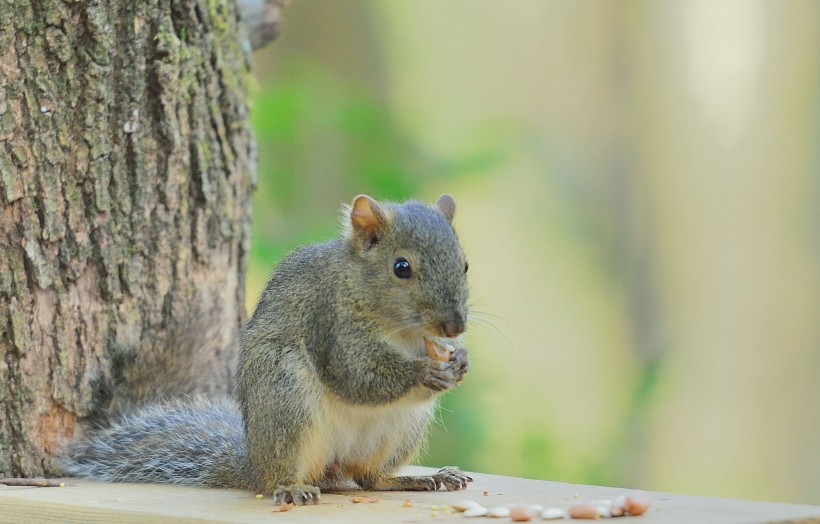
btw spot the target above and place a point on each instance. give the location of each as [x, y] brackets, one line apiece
[480, 511]
[499, 512]
[553, 514]
[464, 505]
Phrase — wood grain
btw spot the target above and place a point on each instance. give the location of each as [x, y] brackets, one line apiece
[82, 501]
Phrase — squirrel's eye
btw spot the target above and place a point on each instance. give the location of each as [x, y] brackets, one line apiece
[401, 268]
[466, 266]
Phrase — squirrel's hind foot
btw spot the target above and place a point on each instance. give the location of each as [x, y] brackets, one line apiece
[451, 478]
[299, 494]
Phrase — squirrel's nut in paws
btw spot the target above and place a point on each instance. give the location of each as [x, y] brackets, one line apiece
[438, 352]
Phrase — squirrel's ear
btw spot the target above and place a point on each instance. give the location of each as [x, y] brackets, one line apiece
[367, 218]
[447, 206]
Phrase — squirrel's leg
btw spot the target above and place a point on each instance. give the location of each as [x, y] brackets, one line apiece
[280, 463]
[281, 438]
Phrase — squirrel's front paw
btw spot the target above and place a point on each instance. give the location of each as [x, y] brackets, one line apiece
[441, 376]
[299, 494]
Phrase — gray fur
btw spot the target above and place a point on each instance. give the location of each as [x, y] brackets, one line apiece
[333, 380]
[193, 443]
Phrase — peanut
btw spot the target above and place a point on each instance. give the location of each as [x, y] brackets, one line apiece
[522, 513]
[438, 352]
[584, 511]
[638, 503]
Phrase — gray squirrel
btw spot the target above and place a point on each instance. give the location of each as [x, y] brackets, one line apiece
[334, 382]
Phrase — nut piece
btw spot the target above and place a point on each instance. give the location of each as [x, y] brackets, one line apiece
[638, 503]
[618, 509]
[584, 511]
[522, 513]
[499, 512]
[438, 352]
[478, 511]
[464, 505]
[368, 500]
[553, 513]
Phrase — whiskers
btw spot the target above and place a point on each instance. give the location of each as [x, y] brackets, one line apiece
[482, 320]
[480, 323]
[407, 326]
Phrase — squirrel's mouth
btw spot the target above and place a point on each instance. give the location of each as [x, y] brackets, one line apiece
[442, 332]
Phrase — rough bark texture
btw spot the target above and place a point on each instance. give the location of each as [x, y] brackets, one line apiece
[126, 165]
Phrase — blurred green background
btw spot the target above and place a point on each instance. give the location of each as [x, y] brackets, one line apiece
[639, 198]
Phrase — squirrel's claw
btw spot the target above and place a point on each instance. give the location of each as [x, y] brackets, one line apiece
[299, 494]
[460, 364]
[452, 478]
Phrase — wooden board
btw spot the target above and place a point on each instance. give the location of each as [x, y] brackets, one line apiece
[82, 501]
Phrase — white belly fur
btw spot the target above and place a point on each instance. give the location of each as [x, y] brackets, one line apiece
[356, 434]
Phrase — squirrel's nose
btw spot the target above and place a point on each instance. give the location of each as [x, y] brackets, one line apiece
[453, 327]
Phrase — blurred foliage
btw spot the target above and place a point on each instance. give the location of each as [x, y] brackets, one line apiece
[319, 136]
[323, 140]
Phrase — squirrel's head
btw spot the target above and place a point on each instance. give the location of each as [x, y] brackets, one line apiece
[413, 265]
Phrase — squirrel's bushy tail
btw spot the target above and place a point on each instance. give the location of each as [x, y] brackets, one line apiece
[196, 442]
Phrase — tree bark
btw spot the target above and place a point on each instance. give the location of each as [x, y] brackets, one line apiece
[126, 166]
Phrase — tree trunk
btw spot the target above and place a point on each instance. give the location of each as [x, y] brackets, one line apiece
[126, 166]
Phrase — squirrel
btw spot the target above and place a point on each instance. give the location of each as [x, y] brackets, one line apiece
[333, 382]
